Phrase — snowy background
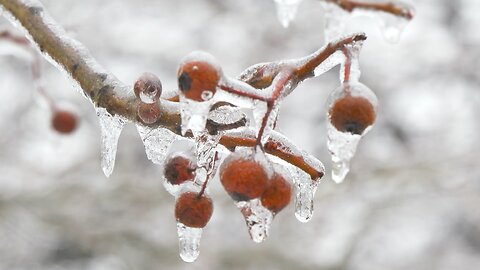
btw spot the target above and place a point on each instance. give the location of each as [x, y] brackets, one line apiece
[412, 198]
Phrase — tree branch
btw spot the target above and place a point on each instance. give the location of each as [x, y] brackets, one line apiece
[105, 90]
[396, 9]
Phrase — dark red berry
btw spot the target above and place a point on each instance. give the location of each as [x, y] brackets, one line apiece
[193, 210]
[198, 77]
[179, 169]
[64, 121]
[352, 114]
[277, 195]
[243, 178]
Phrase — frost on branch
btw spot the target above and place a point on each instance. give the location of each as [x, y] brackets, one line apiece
[216, 118]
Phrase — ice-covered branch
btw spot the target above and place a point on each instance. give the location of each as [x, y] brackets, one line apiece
[394, 8]
[262, 75]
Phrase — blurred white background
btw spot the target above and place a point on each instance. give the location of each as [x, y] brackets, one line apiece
[410, 202]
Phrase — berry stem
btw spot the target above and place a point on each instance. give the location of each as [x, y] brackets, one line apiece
[212, 172]
[394, 8]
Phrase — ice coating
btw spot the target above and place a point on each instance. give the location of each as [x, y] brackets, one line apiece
[183, 147]
[156, 142]
[111, 126]
[286, 10]
[189, 242]
[343, 145]
[257, 218]
[391, 25]
[351, 56]
[194, 114]
[226, 115]
[205, 145]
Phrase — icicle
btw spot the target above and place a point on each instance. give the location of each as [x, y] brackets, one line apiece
[257, 218]
[189, 242]
[305, 188]
[156, 142]
[391, 26]
[342, 147]
[286, 10]
[111, 126]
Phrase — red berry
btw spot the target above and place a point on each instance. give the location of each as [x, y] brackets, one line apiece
[243, 178]
[179, 169]
[277, 195]
[198, 76]
[148, 113]
[352, 114]
[148, 88]
[64, 121]
[193, 210]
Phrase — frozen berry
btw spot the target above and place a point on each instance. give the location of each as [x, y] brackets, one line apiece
[243, 177]
[179, 169]
[148, 113]
[64, 121]
[352, 114]
[193, 210]
[148, 88]
[277, 195]
[198, 76]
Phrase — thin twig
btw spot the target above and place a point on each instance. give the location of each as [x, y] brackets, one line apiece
[394, 8]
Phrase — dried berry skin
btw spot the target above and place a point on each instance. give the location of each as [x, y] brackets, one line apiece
[244, 179]
[148, 85]
[193, 210]
[277, 194]
[196, 77]
[352, 114]
[148, 113]
[179, 169]
[64, 121]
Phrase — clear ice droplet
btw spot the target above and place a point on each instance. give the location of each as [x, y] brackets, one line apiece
[189, 242]
[286, 10]
[111, 126]
[257, 218]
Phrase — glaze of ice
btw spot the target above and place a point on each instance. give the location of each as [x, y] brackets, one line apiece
[205, 145]
[194, 114]
[226, 115]
[111, 126]
[353, 53]
[239, 100]
[336, 19]
[72, 44]
[156, 142]
[257, 218]
[183, 147]
[189, 242]
[286, 10]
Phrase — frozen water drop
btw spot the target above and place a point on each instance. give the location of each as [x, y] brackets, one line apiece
[111, 126]
[156, 142]
[257, 218]
[189, 242]
[305, 188]
[286, 10]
